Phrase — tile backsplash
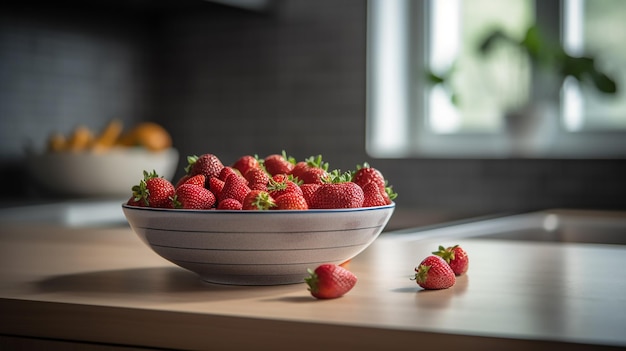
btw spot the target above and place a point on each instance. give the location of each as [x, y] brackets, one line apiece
[233, 82]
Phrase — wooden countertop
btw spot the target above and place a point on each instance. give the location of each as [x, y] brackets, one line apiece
[103, 286]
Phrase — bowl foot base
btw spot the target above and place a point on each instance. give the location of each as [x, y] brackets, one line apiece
[254, 280]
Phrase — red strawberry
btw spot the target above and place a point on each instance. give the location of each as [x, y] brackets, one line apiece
[135, 201]
[281, 177]
[216, 185]
[192, 196]
[154, 191]
[365, 174]
[330, 281]
[389, 195]
[373, 196]
[434, 273]
[312, 170]
[245, 163]
[281, 184]
[338, 194]
[299, 169]
[229, 204]
[198, 179]
[235, 187]
[308, 190]
[456, 257]
[226, 171]
[258, 200]
[278, 164]
[182, 180]
[257, 178]
[291, 201]
[207, 164]
[314, 175]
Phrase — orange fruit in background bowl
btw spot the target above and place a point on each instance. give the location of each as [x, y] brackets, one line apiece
[105, 164]
[108, 137]
[150, 135]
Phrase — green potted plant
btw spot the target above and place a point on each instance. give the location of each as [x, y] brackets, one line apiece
[551, 57]
[544, 55]
[550, 64]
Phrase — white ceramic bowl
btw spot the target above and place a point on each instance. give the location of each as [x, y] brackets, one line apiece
[257, 247]
[110, 174]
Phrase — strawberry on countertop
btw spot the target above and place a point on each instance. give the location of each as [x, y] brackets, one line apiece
[434, 273]
[456, 257]
[330, 281]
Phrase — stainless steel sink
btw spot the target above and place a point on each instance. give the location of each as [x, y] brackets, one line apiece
[600, 227]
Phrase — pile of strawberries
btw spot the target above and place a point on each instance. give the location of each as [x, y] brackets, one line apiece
[276, 182]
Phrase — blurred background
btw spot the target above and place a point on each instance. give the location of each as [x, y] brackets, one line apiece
[258, 77]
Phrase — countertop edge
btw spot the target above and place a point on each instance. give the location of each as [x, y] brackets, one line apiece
[181, 330]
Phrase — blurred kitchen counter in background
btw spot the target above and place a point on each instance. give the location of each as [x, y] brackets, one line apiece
[105, 212]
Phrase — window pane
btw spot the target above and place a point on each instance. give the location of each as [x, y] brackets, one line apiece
[485, 87]
[597, 27]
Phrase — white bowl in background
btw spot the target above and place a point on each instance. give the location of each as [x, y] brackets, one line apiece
[257, 247]
[109, 174]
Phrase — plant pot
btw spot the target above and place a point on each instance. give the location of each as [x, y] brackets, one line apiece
[531, 129]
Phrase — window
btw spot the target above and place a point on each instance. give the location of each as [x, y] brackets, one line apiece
[475, 110]
[596, 26]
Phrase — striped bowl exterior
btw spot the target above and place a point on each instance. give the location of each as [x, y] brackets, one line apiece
[257, 247]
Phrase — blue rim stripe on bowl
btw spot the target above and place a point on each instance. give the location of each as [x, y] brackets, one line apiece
[358, 209]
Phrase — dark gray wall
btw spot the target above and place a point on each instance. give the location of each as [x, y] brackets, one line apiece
[232, 82]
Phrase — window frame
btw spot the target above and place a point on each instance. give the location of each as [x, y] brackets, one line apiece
[396, 123]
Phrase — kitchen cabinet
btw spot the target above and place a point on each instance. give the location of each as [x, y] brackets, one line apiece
[101, 288]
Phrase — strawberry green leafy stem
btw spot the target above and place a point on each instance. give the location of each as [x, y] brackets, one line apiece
[191, 160]
[289, 159]
[141, 191]
[263, 201]
[311, 280]
[335, 176]
[316, 161]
